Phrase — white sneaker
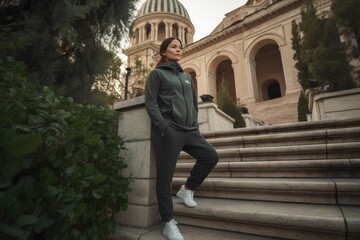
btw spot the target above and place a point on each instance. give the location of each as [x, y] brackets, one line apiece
[171, 231]
[187, 197]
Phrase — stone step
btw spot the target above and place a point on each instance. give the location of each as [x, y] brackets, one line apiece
[344, 191]
[272, 219]
[277, 110]
[341, 135]
[285, 153]
[286, 128]
[316, 168]
[189, 233]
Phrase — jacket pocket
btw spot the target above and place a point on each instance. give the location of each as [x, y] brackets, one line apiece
[179, 112]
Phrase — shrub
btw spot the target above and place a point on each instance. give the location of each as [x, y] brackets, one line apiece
[227, 105]
[59, 163]
[302, 107]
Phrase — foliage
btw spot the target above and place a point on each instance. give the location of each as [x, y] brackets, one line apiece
[302, 107]
[330, 66]
[227, 105]
[67, 41]
[111, 86]
[108, 86]
[319, 53]
[301, 65]
[59, 163]
[139, 73]
[347, 14]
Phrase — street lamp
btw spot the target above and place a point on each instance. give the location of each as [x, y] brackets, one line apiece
[128, 72]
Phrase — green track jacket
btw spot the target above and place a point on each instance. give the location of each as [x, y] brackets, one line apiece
[170, 98]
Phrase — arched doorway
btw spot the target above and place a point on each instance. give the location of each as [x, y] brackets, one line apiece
[175, 30]
[221, 69]
[269, 72]
[225, 72]
[161, 31]
[148, 31]
[271, 90]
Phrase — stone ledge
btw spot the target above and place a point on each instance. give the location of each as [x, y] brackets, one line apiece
[298, 190]
[284, 220]
[339, 168]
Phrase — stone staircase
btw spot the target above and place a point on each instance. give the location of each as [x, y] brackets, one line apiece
[277, 110]
[286, 181]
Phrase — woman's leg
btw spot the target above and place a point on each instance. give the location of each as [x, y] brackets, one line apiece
[205, 155]
[167, 150]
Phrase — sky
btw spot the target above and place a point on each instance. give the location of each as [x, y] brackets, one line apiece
[205, 15]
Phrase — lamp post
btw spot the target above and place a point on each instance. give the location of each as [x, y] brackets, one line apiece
[128, 72]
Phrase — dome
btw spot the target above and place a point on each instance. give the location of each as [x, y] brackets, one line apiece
[163, 6]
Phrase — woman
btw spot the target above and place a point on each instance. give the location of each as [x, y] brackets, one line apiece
[171, 103]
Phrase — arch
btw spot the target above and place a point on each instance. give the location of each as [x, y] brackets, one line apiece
[220, 69]
[192, 66]
[186, 36]
[254, 46]
[271, 89]
[225, 72]
[161, 31]
[148, 31]
[175, 30]
[268, 66]
[265, 62]
[224, 54]
[137, 36]
[193, 76]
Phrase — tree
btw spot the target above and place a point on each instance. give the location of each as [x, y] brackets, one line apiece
[110, 86]
[227, 105]
[330, 66]
[347, 15]
[68, 42]
[139, 74]
[302, 107]
[60, 168]
[302, 67]
[107, 86]
[320, 53]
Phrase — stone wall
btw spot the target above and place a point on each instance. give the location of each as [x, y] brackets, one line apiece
[336, 105]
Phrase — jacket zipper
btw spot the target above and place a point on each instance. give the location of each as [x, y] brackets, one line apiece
[183, 93]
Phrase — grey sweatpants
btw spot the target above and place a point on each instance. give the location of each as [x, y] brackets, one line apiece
[167, 150]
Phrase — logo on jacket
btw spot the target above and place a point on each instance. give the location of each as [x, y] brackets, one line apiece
[187, 81]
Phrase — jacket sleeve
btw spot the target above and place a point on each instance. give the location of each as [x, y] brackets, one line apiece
[195, 102]
[152, 88]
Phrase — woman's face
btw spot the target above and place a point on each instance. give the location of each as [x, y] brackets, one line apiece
[173, 51]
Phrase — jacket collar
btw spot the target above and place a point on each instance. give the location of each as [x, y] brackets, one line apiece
[171, 65]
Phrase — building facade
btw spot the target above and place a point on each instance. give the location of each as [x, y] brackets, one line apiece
[250, 49]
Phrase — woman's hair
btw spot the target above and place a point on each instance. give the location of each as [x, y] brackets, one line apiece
[164, 45]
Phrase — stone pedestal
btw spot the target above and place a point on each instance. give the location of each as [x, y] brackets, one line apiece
[135, 128]
[336, 105]
[211, 118]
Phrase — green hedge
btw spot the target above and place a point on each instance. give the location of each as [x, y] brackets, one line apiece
[302, 107]
[59, 163]
[227, 105]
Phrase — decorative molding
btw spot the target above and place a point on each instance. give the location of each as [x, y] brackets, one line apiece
[246, 23]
